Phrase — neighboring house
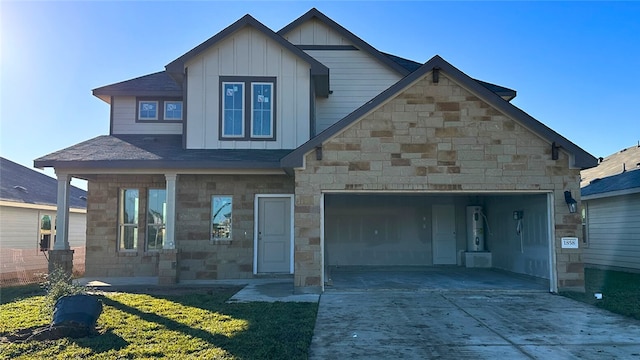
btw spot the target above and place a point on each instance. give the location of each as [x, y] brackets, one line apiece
[611, 208]
[27, 222]
[261, 152]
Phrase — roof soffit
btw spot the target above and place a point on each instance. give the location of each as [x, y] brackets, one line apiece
[354, 39]
[581, 158]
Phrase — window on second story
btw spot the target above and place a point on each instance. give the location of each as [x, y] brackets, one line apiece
[247, 108]
[173, 110]
[159, 110]
[147, 110]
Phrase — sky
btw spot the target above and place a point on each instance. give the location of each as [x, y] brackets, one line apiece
[575, 65]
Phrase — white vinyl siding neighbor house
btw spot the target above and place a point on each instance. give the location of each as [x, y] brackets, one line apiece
[27, 223]
[613, 231]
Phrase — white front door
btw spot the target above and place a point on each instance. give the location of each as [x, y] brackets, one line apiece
[444, 234]
[274, 235]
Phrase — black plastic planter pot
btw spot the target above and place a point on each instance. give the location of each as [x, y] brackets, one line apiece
[81, 310]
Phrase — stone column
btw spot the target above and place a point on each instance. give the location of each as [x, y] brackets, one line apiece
[62, 256]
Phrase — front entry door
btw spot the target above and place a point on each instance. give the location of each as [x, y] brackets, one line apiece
[274, 235]
[444, 235]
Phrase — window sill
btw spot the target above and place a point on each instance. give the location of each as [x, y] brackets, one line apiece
[127, 253]
[220, 241]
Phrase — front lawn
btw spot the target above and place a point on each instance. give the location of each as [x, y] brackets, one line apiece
[620, 291]
[193, 325]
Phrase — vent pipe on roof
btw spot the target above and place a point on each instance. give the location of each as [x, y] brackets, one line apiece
[21, 188]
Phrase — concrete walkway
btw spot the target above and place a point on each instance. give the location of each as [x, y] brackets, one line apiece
[426, 319]
[257, 289]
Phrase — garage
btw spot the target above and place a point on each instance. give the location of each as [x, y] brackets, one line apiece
[501, 231]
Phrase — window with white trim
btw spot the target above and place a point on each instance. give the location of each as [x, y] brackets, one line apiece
[247, 108]
[128, 219]
[156, 218]
[173, 110]
[261, 110]
[160, 109]
[233, 109]
[147, 110]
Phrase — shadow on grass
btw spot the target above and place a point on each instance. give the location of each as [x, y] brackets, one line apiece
[103, 342]
[214, 339]
[13, 293]
[276, 330]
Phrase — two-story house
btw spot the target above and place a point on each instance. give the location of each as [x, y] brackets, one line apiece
[261, 152]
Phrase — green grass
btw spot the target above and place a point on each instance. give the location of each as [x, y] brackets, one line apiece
[200, 326]
[620, 290]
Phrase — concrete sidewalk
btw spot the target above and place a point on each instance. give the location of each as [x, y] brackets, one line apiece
[428, 324]
[257, 289]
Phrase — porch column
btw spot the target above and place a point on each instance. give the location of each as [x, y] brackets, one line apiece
[61, 256]
[168, 261]
[62, 216]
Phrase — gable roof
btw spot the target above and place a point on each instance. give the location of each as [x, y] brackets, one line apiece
[156, 84]
[359, 43]
[625, 159]
[19, 184]
[412, 66]
[625, 183]
[154, 152]
[581, 158]
[318, 70]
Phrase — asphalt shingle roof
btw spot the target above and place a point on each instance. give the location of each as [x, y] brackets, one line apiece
[628, 158]
[23, 185]
[156, 151]
[156, 84]
[624, 181]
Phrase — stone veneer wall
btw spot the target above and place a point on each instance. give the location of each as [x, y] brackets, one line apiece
[201, 258]
[431, 138]
[198, 256]
[102, 256]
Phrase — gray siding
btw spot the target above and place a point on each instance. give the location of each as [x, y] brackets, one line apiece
[356, 78]
[613, 231]
[527, 253]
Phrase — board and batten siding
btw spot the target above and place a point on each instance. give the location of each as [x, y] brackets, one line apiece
[613, 231]
[315, 32]
[248, 52]
[124, 120]
[356, 78]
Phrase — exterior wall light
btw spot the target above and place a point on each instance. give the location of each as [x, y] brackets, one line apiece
[571, 202]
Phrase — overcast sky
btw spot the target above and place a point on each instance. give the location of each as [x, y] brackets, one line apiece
[575, 65]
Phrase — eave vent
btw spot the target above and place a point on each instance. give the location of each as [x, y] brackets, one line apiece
[21, 188]
[82, 197]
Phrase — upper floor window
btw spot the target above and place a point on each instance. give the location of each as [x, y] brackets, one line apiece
[233, 109]
[147, 110]
[159, 110]
[173, 110]
[247, 108]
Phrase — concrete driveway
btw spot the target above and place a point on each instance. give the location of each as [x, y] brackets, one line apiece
[428, 322]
